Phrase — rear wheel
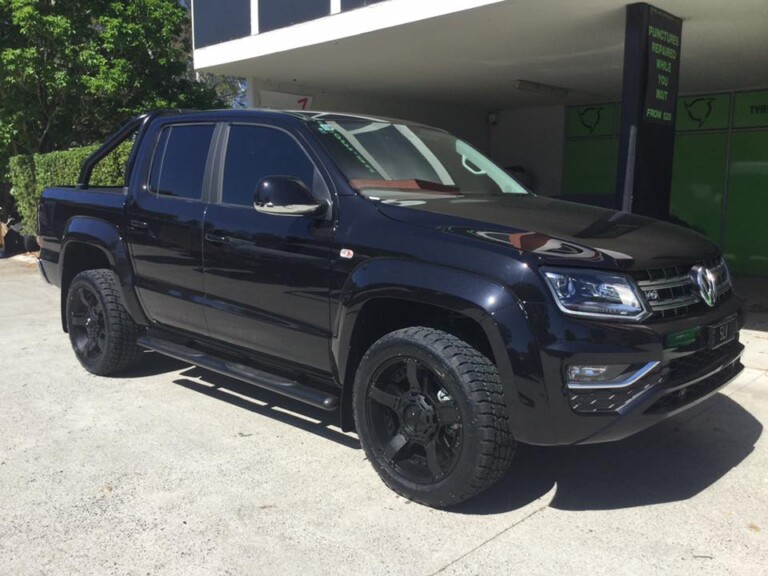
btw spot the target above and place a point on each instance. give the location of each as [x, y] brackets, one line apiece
[102, 333]
[431, 417]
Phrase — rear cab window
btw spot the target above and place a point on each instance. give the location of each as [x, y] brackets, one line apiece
[179, 161]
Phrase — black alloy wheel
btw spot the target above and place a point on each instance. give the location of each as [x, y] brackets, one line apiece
[416, 423]
[87, 323]
[430, 414]
[102, 333]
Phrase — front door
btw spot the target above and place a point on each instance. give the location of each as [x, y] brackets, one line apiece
[267, 276]
[165, 227]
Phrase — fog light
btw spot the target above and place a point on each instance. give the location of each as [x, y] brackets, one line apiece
[581, 372]
[592, 376]
[595, 372]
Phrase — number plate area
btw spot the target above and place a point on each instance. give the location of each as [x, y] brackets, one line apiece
[722, 332]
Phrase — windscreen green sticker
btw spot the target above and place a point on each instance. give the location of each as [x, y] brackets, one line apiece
[708, 112]
[359, 157]
[326, 128]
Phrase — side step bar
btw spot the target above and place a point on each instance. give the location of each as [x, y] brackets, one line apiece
[258, 378]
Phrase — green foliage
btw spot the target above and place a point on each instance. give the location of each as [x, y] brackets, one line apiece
[30, 173]
[73, 71]
[21, 172]
[230, 89]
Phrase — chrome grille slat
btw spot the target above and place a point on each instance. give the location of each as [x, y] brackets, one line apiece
[668, 283]
[673, 287]
[676, 303]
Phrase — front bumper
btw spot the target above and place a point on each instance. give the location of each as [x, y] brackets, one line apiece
[682, 375]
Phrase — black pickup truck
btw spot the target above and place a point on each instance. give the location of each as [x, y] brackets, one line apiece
[392, 273]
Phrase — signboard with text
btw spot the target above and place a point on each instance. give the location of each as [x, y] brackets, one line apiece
[664, 32]
[751, 110]
[652, 45]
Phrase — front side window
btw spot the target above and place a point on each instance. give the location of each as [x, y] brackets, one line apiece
[254, 152]
[384, 158]
[178, 165]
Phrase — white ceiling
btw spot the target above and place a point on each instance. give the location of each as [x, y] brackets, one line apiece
[473, 57]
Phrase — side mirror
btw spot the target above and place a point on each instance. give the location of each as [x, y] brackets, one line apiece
[286, 196]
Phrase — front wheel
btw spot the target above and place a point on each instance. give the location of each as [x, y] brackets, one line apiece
[431, 417]
[102, 333]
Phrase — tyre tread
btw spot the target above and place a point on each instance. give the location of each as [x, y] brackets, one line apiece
[122, 350]
[483, 387]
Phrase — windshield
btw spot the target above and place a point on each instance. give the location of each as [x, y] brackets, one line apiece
[389, 160]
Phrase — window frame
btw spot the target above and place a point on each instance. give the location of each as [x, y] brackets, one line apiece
[212, 147]
[217, 195]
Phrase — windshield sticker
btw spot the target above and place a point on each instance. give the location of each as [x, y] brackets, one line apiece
[355, 152]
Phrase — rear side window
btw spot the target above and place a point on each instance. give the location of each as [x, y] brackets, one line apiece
[254, 152]
[178, 165]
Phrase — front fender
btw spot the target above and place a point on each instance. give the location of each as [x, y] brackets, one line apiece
[105, 237]
[494, 307]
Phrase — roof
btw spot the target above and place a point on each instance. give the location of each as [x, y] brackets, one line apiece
[305, 115]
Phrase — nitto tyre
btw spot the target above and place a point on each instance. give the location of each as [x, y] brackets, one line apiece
[431, 416]
[102, 333]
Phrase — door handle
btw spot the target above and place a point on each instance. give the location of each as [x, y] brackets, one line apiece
[216, 239]
[138, 224]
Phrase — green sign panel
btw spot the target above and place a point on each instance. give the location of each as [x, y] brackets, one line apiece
[594, 120]
[746, 247]
[698, 180]
[664, 31]
[703, 112]
[751, 110]
[590, 166]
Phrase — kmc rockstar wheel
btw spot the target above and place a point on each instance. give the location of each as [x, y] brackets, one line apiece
[431, 416]
[102, 333]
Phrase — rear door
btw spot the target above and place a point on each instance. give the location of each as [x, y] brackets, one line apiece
[165, 224]
[267, 276]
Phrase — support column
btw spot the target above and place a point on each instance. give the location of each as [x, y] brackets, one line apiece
[649, 100]
[252, 93]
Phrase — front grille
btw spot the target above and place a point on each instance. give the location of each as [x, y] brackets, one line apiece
[670, 292]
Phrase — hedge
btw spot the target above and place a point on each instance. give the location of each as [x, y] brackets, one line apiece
[29, 174]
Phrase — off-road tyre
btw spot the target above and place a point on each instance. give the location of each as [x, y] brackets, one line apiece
[102, 333]
[442, 410]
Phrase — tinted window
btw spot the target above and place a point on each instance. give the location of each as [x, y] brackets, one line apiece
[254, 152]
[274, 14]
[179, 162]
[215, 23]
[351, 4]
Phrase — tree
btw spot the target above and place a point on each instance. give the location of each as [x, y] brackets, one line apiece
[231, 89]
[72, 71]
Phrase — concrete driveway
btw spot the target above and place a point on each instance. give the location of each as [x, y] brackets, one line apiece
[173, 470]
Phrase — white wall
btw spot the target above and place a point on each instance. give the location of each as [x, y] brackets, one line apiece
[327, 29]
[468, 123]
[532, 138]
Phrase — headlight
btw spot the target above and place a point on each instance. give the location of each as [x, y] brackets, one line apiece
[596, 294]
